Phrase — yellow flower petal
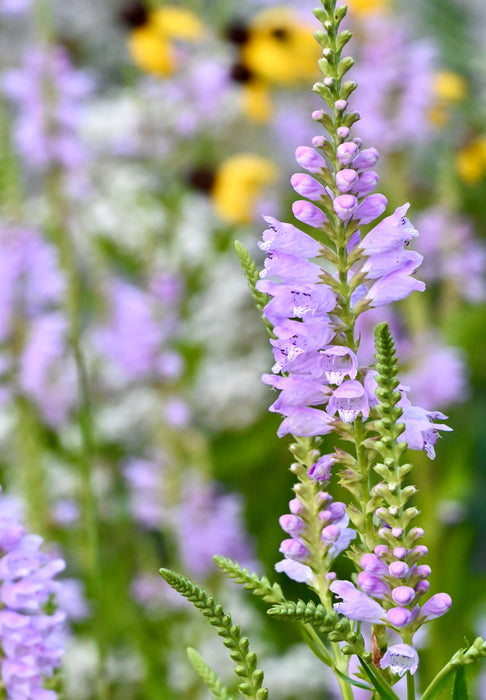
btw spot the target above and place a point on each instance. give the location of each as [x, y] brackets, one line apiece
[364, 8]
[239, 182]
[256, 102]
[471, 161]
[450, 86]
[281, 48]
[176, 23]
[150, 53]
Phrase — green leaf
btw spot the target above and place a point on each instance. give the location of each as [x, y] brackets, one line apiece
[353, 681]
[208, 676]
[237, 645]
[252, 276]
[260, 587]
[460, 690]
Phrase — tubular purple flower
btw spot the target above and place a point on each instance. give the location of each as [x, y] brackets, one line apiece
[290, 269]
[400, 658]
[355, 604]
[295, 570]
[308, 213]
[286, 238]
[305, 422]
[392, 232]
[395, 286]
[349, 400]
[392, 261]
[339, 361]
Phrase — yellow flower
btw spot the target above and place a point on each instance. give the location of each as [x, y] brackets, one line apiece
[151, 44]
[471, 161]
[280, 48]
[364, 8]
[256, 101]
[238, 183]
[449, 87]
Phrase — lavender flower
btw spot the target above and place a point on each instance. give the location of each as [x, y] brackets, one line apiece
[150, 317]
[32, 641]
[47, 130]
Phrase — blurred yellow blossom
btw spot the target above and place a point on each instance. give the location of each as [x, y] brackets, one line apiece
[471, 161]
[238, 183]
[151, 44]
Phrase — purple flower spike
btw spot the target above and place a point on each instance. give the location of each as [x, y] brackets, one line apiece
[399, 617]
[349, 400]
[345, 179]
[356, 605]
[307, 186]
[346, 152]
[345, 205]
[436, 606]
[400, 658]
[321, 470]
[309, 159]
[371, 208]
[308, 213]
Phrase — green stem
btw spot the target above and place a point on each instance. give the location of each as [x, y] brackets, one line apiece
[410, 687]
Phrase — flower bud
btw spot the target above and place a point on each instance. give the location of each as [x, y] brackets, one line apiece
[399, 617]
[308, 213]
[345, 179]
[309, 159]
[306, 186]
[403, 595]
[345, 205]
[346, 152]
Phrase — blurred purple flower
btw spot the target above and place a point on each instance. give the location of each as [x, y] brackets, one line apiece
[48, 93]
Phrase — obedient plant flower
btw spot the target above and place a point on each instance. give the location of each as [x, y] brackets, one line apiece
[31, 638]
[49, 95]
[350, 260]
